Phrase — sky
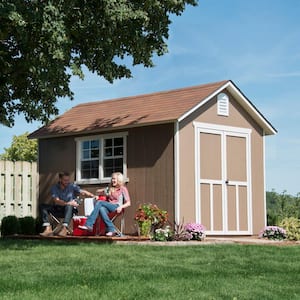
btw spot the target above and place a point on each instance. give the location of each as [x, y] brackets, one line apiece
[255, 43]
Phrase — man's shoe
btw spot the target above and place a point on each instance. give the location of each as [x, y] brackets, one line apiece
[110, 234]
[47, 232]
[84, 227]
[63, 232]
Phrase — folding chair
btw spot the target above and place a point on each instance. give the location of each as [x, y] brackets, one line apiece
[99, 227]
[114, 216]
[56, 219]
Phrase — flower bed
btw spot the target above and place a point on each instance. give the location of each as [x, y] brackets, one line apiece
[273, 233]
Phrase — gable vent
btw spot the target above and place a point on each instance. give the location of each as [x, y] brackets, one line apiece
[223, 105]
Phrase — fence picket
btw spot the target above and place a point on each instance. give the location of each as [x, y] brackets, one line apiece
[18, 189]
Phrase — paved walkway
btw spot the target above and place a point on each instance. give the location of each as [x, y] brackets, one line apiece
[214, 240]
[127, 239]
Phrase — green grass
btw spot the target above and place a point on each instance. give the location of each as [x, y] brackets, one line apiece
[60, 270]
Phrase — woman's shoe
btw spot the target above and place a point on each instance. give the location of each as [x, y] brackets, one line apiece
[110, 234]
[84, 227]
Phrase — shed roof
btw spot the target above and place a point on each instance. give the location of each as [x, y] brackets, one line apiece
[141, 110]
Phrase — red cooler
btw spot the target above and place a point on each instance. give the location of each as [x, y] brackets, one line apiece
[80, 220]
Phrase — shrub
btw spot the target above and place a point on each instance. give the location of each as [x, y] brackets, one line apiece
[150, 213]
[273, 233]
[27, 225]
[10, 225]
[190, 231]
[292, 227]
[39, 225]
[180, 234]
[163, 234]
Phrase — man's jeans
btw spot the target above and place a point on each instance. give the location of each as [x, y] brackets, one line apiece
[102, 208]
[58, 211]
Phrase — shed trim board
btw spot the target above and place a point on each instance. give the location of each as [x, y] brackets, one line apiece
[264, 170]
[176, 172]
[234, 192]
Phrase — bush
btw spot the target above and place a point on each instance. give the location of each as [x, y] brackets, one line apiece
[292, 227]
[27, 225]
[273, 233]
[39, 225]
[10, 225]
[163, 234]
[180, 234]
[150, 215]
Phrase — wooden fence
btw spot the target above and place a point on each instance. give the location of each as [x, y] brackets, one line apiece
[18, 189]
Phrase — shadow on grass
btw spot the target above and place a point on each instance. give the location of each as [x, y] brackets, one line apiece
[23, 244]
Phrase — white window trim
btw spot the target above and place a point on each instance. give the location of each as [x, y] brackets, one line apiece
[101, 138]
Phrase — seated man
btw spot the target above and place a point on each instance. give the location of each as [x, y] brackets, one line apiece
[64, 195]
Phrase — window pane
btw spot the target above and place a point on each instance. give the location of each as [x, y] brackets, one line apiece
[108, 172]
[86, 145]
[118, 142]
[95, 144]
[118, 164]
[118, 151]
[107, 142]
[90, 169]
[94, 174]
[108, 163]
[112, 165]
[85, 165]
[85, 174]
[94, 153]
[108, 152]
[85, 154]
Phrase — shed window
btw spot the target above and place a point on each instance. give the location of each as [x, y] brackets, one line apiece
[113, 155]
[99, 156]
[223, 105]
[90, 155]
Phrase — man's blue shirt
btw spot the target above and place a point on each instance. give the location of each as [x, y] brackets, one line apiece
[68, 194]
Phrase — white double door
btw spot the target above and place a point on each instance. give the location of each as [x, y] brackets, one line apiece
[223, 181]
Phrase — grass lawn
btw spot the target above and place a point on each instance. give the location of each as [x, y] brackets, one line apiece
[63, 270]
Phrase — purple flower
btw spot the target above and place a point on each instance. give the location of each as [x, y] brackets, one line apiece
[273, 233]
[196, 230]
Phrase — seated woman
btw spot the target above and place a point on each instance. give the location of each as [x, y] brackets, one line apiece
[117, 199]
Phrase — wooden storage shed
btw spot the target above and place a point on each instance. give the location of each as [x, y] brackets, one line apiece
[197, 152]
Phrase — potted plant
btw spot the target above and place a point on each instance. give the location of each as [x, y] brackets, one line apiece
[150, 217]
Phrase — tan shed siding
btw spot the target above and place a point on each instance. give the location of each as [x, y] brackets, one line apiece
[150, 159]
[237, 118]
[56, 155]
[150, 164]
[187, 174]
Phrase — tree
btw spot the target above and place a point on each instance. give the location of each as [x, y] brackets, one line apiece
[21, 149]
[280, 206]
[44, 43]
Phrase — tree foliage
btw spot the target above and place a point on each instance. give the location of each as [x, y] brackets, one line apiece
[21, 149]
[43, 43]
[281, 206]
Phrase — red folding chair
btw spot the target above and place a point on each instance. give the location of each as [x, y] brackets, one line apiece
[114, 216]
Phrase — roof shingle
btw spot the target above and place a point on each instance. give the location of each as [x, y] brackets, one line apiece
[166, 106]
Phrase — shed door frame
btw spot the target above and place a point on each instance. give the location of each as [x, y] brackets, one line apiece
[224, 132]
